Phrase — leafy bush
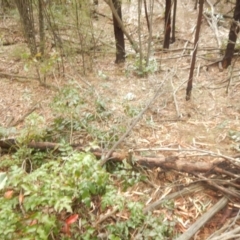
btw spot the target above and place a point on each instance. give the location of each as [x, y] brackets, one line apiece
[142, 68]
[50, 189]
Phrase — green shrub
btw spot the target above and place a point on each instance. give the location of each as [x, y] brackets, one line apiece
[47, 191]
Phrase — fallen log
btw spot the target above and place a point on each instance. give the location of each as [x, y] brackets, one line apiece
[161, 161]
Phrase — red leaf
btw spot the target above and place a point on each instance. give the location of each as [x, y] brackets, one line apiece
[33, 222]
[72, 219]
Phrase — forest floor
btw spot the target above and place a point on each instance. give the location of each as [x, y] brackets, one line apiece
[170, 122]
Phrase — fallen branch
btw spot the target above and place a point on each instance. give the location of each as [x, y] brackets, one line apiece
[204, 219]
[7, 75]
[21, 119]
[106, 158]
[227, 191]
[166, 163]
[186, 191]
[233, 160]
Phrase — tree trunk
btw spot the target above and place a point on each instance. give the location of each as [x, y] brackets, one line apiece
[234, 30]
[174, 20]
[26, 14]
[167, 28]
[190, 79]
[146, 14]
[118, 33]
[41, 26]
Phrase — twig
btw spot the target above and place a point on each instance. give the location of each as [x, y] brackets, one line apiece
[204, 219]
[213, 23]
[105, 159]
[31, 110]
[106, 216]
[23, 117]
[175, 99]
[228, 191]
[185, 48]
[186, 191]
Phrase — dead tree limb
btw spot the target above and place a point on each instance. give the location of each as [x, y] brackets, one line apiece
[227, 191]
[166, 163]
[21, 119]
[233, 160]
[186, 191]
[204, 219]
[105, 159]
[7, 75]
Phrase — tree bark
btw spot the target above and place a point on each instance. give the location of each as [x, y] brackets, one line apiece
[118, 33]
[167, 27]
[234, 30]
[26, 14]
[41, 26]
[146, 14]
[120, 23]
[174, 20]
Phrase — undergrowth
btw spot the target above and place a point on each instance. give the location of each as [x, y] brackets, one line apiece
[66, 194]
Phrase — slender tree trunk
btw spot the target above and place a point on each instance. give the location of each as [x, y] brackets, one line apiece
[120, 23]
[167, 27]
[146, 14]
[195, 5]
[140, 38]
[118, 33]
[151, 6]
[190, 79]
[234, 30]
[174, 20]
[41, 26]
